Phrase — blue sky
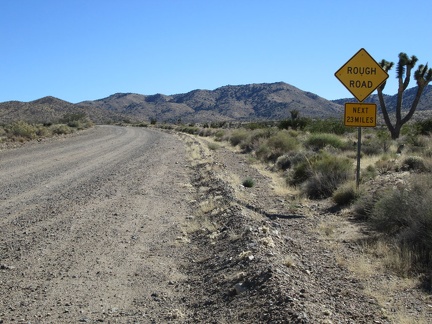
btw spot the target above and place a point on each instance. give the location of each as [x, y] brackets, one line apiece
[80, 50]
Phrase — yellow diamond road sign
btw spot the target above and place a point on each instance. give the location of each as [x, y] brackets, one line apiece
[361, 75]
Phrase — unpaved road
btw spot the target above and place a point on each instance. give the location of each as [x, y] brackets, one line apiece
[88, 227]
[134, 225]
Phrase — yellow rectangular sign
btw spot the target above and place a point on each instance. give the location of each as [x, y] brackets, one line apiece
[360, 114]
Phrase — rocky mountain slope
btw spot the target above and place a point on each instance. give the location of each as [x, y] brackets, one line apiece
[264, 101]
[243, 102]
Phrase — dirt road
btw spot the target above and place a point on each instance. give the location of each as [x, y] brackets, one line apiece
[88, 227]
[135, 225]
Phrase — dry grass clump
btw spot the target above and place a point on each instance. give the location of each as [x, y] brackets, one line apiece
[345, 194]
[275, 146]
[321, 174]
[21, 131]
[415, 163]
[320, 140]
[404, 215]
[238, 136]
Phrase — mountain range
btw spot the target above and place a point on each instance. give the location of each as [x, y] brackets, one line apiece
[252, 102]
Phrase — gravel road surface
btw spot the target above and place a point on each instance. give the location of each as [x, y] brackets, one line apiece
[88, 227]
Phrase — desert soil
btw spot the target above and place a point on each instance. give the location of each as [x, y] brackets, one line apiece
[136, 225]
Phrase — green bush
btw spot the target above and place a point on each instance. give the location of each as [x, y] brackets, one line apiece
[332, 126]
[345, 194]
[255, 138]
[320, 140]
[283, 162]
[189, 129]
[219, 135]
[425, 126]
[372, 147]
[363, 206]
[385, 165]
[297, 123]
[404, 215]
[369, 173]
[248, 183]
[326, 174]
[238, 136]
[414, 163]
[61, 129]
[213, 146]
[21, 129]
[282, 142]
[276, 145]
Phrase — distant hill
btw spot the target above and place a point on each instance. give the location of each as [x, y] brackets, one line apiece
[252, 102]
[242, 102]
[47, 109]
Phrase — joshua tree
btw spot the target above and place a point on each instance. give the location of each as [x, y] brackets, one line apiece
[422, 75]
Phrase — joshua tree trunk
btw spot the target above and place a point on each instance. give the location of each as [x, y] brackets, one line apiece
[423, 76]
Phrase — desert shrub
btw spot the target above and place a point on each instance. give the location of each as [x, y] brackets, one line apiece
[276, 145]
[282, 141]
[424, 126]
[248, 183]
[405, 214]
[43, 131]
[238, 136]
[333, 126]
[219, 124]
[263, 152]
[372, 147]
[369, 173]
[385, 165]
[255, 138]
[205, 132]
[61, 129]
[384, 139]
[364, 204]
[283, 162]
[213, 146]
[320, 140]
[326, 174]
[255, 125]
[345, 194]
[300, 166]
[72, 117]
[414, 163]
[297, 123]
[299, 174]
[189, 129]
[218, 135]
[21, 129]
[292, 158]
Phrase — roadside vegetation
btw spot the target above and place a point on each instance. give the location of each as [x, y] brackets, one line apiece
[317, 159]
[21, 131]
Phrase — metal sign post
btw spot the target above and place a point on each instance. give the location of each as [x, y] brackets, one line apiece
[361, 75]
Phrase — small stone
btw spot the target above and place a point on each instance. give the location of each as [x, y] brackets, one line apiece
[326, 312]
